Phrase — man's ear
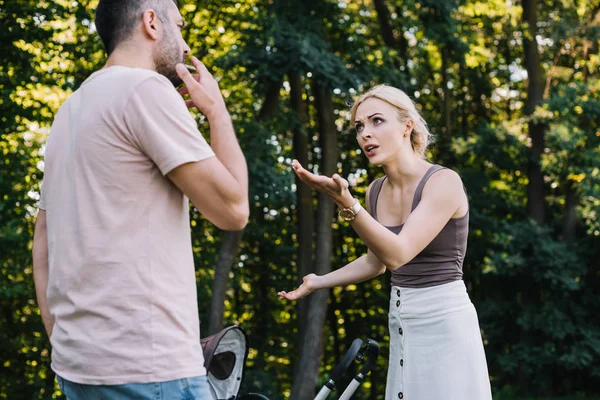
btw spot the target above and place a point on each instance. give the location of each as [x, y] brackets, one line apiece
[150, 23]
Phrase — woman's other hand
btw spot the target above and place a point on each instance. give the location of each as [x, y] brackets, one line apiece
[309, 284]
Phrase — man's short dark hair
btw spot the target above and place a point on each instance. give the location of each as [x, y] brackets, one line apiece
[116, 19]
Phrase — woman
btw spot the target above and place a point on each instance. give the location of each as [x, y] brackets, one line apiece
[416, 225]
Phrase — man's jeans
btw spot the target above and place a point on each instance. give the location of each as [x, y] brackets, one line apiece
[195, 388]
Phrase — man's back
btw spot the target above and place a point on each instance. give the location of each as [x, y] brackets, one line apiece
[121, 276]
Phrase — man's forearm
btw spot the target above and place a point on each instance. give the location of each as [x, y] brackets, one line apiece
[226, 147]
[40, 271]
[41, 284]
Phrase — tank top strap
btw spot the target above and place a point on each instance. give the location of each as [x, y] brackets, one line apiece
[374, 195]
[419, 192]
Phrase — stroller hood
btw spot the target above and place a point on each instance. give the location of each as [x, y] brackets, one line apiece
[225, 356]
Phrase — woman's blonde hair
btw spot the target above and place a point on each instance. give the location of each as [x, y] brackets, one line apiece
[420, 137]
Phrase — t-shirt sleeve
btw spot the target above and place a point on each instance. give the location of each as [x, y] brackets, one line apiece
[42, 202]
[161, 125]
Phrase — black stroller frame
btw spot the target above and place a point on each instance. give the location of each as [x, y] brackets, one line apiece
[225, 356]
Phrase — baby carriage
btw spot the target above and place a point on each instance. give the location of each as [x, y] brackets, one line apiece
[225, 356]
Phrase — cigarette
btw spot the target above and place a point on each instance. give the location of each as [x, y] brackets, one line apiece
[190, 68]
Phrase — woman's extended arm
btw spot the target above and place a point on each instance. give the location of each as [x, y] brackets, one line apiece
[359, 270]
[442, 197]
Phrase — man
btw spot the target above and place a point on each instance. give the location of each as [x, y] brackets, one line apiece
[113, 263]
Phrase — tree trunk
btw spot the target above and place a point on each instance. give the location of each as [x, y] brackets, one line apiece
[304, 201]
[464, 109]
[227, 253]
[508, 59]
[535, 91]
[402, 41]
[591, 46]
[334, 328]
[529, 291]
[446, 136]
[570, 217]
[231, 239]
[271, 102]
[447, 128]
[261, 289]
[387, 33]
[305, 379]
[571, 196]
[391, 39]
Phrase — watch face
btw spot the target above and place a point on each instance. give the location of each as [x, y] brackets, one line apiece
[347, 215]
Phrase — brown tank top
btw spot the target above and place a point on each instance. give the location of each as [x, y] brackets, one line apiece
[442, 260]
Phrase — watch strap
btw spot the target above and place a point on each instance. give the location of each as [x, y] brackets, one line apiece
[356, 207]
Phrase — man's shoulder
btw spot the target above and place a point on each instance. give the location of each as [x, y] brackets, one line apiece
[125, 78]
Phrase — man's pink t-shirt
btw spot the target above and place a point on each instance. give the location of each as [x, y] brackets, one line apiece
[122, 284]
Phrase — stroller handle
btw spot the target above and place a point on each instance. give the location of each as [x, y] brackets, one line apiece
[359, 350]
[350, 355]
[371, 352]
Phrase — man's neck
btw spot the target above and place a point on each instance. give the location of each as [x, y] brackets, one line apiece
[130, 58]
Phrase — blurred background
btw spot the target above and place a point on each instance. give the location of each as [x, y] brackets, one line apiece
[511, 89]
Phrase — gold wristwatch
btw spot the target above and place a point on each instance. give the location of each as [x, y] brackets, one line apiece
[348, 214]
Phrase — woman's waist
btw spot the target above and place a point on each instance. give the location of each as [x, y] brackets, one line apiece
[424, 272]
[430, 301]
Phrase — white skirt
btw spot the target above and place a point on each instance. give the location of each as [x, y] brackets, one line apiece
[436, 351]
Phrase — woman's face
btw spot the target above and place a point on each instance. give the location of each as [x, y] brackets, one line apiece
[379, 132]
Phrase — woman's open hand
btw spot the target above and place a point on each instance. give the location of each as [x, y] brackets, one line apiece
[336, 186]
[309, 284]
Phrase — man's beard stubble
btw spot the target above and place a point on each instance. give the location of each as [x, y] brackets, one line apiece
[167, 57]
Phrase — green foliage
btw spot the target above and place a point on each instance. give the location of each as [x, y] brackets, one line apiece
[534, 287]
